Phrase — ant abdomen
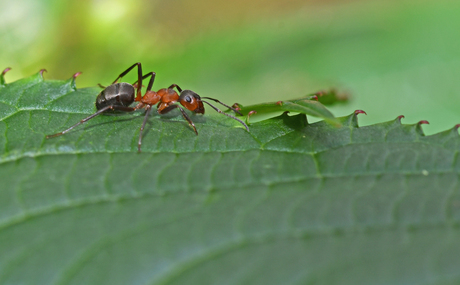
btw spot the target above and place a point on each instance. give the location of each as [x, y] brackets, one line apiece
[118, 94]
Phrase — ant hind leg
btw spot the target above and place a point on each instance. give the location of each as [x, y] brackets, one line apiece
[105, 109]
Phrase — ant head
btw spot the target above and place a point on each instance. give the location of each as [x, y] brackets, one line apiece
[191, 101]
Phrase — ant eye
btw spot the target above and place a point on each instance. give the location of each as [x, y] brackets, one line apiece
[188, 99]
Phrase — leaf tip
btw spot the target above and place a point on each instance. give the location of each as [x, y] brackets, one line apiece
[360, 112]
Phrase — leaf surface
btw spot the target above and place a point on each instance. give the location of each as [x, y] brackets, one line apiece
[288, 203]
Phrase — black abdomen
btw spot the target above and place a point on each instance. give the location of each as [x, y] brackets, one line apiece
[118, 94]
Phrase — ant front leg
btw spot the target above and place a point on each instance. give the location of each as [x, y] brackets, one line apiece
[105, 109]
[184, 114]
[147, 112]
[228, 115]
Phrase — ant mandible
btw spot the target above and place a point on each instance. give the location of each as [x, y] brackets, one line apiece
[118, 97]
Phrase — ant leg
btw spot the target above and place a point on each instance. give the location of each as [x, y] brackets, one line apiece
[152, 79]
[231, 108]
[187, 118]
[139, 76]
[171, 107]
[126, 72]
[117, 108]
[177, 87]
[147, 112]
[235, 118]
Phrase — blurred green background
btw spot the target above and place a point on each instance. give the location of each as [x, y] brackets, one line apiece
[393, 57]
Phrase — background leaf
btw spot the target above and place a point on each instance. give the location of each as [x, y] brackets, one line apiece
[287, 203]
[309, 105]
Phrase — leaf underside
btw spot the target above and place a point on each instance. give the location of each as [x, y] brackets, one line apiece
[288, 203]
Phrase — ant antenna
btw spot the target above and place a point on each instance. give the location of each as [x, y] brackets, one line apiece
[215, 100]
[228, 115]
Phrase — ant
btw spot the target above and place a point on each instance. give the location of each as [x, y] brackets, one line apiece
[118, 97]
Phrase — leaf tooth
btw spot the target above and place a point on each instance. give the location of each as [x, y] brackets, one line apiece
[355, 118]
[418, 127]
[2, 77]
[444, 136]
[423, 122]
[250, 113]
[352, 119]
[455, 128]
[41, 72]
[398, 119]
[6, 70]
[76, 75]
[73, 85]
[453, 131]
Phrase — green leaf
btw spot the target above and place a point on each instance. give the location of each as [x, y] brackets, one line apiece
[307, 106]
[287, 203]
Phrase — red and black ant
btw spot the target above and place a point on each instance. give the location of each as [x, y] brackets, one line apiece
[118, 97]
